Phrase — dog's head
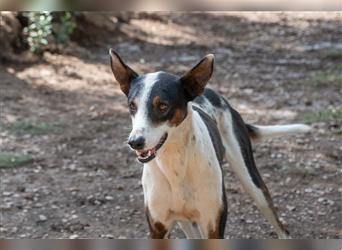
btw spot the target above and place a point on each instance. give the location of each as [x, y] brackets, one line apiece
[158, 101]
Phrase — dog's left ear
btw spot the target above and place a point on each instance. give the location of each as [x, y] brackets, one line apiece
[196, 79]
[122, 73]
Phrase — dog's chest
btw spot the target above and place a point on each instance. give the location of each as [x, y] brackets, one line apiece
[186, 181]
[180, 192]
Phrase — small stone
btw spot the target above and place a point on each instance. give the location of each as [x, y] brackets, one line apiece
[249, 221]
[109, 198]
[6, 206]
[308, 190]
[291, 208]
[73, 236]
[330, 202]
[321, 199]
[109, 236]
[42, 218]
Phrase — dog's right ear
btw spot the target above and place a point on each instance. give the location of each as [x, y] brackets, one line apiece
[122, 73]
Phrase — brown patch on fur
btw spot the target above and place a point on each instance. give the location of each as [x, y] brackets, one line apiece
[157, 229]
[252, 132]
[156, 101]
[178, 117]
[214, 231]
[190, 214]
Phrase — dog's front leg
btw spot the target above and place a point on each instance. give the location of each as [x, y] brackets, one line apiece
[158, 230]
[157, 198]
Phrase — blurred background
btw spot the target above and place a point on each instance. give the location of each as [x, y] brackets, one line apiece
[65, 169]
[157, 5]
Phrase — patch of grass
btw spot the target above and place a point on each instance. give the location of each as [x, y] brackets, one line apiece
[8, 160]
[328, 77]
[299, 170]
[338, 130]
[333, 54]
[32, 127]
[329, 115]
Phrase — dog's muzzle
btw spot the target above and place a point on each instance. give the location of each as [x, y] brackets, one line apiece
[145, 156]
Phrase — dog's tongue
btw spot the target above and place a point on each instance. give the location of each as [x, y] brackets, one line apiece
[145, 154]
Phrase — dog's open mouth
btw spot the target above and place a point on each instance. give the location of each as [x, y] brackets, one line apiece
[145, 156]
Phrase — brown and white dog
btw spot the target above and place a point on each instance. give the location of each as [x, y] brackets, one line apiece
[182, 132]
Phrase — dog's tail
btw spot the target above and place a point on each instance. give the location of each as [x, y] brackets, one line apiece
[257, 132]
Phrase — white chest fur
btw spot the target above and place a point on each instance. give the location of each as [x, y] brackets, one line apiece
[184, 182]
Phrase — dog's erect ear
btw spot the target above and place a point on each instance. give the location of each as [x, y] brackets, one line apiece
[194, 81]
[122, 73]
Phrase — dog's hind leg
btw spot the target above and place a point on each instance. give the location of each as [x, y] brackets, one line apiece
[240, 156]
[190, 229]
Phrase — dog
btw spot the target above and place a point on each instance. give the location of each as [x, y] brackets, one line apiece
[182, 132]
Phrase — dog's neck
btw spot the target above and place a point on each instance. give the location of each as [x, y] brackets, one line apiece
[174, 155]
[179, 136]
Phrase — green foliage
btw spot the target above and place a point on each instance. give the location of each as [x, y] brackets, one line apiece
[329, 115]
[333, 54]
[44, 28]
[66, 27]
[304, 171]
[9, 160]
[329, 77]
[39, 29]
[32, 128]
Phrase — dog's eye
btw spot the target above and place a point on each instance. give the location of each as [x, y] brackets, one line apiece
[132, 107]
[163, 107]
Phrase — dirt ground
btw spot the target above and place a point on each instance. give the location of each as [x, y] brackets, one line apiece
[67, 173]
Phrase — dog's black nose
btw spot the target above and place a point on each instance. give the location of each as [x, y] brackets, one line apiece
[137, 142]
